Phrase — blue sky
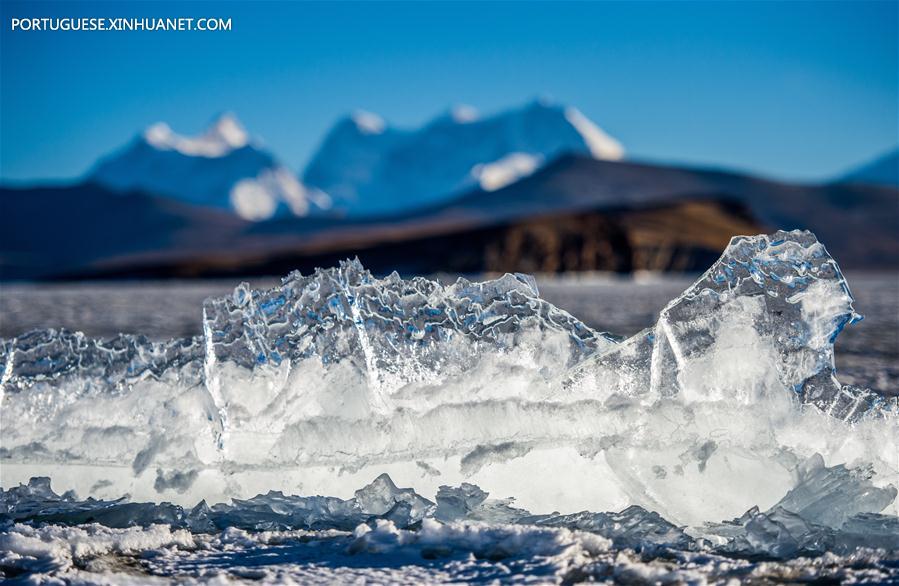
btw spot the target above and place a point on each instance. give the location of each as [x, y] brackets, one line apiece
[799, 90]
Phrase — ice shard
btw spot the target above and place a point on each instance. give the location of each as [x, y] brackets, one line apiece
[761, 321]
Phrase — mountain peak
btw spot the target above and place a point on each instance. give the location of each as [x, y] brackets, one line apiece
[368, 168]
[224, 134]
[545, 102]
[216, 168]
[368, 122]
[229, 130]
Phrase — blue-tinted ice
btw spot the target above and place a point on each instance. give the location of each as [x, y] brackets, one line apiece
[728, 408]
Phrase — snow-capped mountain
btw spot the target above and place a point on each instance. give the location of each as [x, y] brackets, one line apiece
[363, 168]
[221, 168]
[369, 168]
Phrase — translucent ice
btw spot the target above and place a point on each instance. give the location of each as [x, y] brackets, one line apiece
[334, 378]
[36, 502]
[634, 528]
[353, 345]
[45, 535]
[831, 509]
[760, 321]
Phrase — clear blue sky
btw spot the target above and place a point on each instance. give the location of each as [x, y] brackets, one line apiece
[795, 90]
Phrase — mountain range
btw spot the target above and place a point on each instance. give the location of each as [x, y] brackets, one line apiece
[363, 167]
[369, 168]
[536, 188]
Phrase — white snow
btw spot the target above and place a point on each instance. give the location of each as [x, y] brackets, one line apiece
[55, 548]
[258, 198]
[464, 114]
[601, 145]
[511, 168]
[224, 135]
[368, 123]
[457, 552]
[252, 201]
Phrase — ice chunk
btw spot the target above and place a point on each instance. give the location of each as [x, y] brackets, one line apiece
[69, 397]
[36, 502]
[402, 505]
[469, 502]
[783, 534]
[389, 519]
[831, 508]
[391, 331]
[340, 372]
[869, 530]
[458, 502]
[777, 534]
[275, 510]
[343, 343]
[762, 320]
[829, 496]
[634, 528]
[379, 499]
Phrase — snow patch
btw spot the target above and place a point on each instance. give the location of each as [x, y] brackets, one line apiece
[600, 144]
[511, 168]
[368, 123]
[464, 114]
[258, 198]
[224, 135]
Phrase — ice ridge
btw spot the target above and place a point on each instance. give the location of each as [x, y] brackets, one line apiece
[343, 373]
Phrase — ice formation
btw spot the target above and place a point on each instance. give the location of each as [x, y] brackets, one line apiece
[393, 534]
[729, 402]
